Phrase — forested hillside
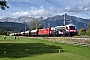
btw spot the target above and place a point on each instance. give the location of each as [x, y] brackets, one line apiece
[13, 26]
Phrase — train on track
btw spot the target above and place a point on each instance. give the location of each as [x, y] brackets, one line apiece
[67, 30]
[64, 30]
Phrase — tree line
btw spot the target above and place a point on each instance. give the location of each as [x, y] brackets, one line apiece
[35, 24]
[3, 32]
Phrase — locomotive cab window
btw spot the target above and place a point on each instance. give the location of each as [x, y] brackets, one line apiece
[66, 27]
[72, 27]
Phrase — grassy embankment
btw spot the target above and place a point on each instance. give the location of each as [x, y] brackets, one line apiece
[35, 49]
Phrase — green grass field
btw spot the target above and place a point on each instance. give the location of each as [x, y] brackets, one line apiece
[26, 48]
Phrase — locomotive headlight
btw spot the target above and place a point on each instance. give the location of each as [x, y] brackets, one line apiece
[74, 30]
[50, 32]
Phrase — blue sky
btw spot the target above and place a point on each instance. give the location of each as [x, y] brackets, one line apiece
[47, 8]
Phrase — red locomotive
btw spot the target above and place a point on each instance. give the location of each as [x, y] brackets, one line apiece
[45, 31]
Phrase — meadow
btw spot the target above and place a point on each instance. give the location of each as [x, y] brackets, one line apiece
[26, 48]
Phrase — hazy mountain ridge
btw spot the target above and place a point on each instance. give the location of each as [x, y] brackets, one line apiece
[50, 21]
[18, 19]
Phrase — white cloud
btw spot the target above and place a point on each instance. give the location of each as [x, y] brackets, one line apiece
[34, 12]
[76, 9]
[20, 14]
[87, 9]
[73, 9]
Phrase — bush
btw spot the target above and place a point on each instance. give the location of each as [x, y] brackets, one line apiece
[82, 31]
[88, 31]
[3, 32]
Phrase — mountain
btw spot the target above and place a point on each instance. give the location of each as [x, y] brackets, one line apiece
[58, 20]
[20, 19]
[51, 21]
[13, 26]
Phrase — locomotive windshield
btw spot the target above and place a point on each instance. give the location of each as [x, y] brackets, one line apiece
[72, 27]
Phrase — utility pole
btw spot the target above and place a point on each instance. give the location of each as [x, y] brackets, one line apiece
[19, 29]
[25, 28]
[65, 19]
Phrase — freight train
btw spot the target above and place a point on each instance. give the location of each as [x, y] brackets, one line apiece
[67, 30]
